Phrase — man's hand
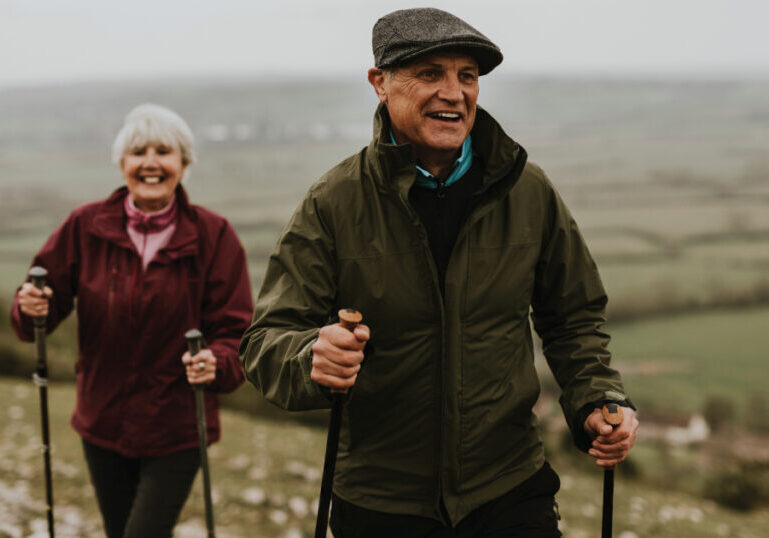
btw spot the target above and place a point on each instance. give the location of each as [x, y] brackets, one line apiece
[192, 365]
[33, 301]
[611, 446]
[337, 355]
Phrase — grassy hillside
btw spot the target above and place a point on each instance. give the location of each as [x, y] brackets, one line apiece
[668, 180]
[266, 477]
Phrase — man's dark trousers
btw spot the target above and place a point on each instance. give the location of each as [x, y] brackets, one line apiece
[528, 510]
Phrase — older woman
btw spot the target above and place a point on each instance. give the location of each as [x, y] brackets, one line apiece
[145, 266]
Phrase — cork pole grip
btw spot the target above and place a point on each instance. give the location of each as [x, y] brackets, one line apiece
[349, 319]
[612, 414]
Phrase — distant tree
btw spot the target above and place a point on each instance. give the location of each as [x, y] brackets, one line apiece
[718, 412]
[739, 489]
[757, 413]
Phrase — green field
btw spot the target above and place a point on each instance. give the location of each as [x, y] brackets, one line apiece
[678, 362]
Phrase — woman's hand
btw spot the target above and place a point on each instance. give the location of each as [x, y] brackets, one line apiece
[200, 369]
[34, 301]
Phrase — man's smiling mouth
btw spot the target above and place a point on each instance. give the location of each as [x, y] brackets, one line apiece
[445, 116]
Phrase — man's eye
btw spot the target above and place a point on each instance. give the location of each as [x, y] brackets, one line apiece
[468, 77]
[429, 74]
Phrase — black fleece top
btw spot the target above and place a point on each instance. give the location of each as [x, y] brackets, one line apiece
[444, 210]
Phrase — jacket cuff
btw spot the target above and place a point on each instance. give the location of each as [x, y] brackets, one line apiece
[229, 372]
[305, 362]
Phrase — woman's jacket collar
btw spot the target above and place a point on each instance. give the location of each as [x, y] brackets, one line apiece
[110, 224]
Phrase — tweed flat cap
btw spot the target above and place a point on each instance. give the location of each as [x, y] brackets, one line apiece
[402, 35]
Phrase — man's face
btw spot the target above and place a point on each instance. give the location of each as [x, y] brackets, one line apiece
[431, 101]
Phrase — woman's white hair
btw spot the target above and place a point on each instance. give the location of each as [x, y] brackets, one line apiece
[150, 124]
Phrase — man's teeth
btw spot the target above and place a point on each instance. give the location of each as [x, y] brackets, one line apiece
[446, 115]
[151, 180]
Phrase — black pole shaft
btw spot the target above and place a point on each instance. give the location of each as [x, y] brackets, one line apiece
[613, 416]
[37, 276]
[203, 441]
[329, 464]
[608, 502]
[194, 342]
[349, 319]
[41, 380]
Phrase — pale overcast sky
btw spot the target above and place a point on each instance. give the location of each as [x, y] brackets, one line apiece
[56, 41]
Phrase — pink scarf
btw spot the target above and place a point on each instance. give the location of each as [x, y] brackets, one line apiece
[149, 222]
[149, 232]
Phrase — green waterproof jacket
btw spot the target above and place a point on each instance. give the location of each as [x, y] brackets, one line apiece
[442, 409]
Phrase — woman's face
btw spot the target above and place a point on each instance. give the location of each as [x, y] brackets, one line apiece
[152, 174]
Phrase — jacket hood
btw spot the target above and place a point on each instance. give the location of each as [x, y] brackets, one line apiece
[395, 164]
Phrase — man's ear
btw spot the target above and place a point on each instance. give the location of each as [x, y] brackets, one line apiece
[376, 78]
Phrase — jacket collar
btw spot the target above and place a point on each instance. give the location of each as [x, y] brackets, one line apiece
[110, 224]
[394, 166]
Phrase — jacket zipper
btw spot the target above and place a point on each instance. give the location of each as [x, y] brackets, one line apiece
[132, 292]
[440, 192]
[515, 168]
[111, 293]
[440, 195]
[422, 235]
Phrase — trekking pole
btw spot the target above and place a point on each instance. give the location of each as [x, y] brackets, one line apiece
[40, 378]
[612, 414]
[349, 319]
[194, 343]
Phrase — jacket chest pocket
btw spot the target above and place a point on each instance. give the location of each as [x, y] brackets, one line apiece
[500, 280]
[394, 292]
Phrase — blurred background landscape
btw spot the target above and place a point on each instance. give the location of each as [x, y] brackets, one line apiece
[667, 174]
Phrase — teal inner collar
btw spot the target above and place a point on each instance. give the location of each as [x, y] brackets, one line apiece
[461, 166]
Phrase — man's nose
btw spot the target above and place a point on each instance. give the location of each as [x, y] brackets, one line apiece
[450, 89]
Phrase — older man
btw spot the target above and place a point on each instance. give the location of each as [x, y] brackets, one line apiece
[443, 235]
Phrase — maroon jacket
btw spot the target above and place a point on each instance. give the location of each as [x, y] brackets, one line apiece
[132, 392]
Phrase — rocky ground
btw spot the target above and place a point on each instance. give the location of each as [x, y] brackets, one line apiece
[266, 478]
